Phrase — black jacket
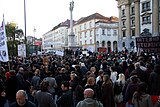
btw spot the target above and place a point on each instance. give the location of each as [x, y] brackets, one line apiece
[28, 104]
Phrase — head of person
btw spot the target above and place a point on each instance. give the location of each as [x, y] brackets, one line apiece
[142, 87]
[134, 78]
[106, 78]
[88, 93]
[93, 69]
[91, 81]
[121, 77]
[65, 86]
[21, 97]
[44, 86]
[21, 70]
[73, 75]
[37, 72]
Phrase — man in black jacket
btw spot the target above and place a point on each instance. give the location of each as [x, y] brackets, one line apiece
[21, 100]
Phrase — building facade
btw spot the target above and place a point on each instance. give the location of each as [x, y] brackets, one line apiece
[91, 32]
[107, 35]
[89, 35]
[134, 17]
[57, 38]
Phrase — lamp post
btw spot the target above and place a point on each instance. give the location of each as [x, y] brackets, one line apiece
[34, 30]
[25, 38]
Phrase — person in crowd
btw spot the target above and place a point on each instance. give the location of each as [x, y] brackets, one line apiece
[118, 90]
[129, 70]
[83, 69]
[99, 78]
[113, 75]
[107, 92]
[65, 100]
[77, 90]
[21, 81]
[43, 97]
[92, 84]
[21, 100]
[60, 76]
[89, 100]
[52, 83]
[157, 104]
[130, 89]
[140, 70]
[141, 98]
[154, 81]
[35, 82]
[11, 87]
[2, 93]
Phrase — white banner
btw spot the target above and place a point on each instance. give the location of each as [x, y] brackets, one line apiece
[60, 53]
[3, 43]
[22, 50]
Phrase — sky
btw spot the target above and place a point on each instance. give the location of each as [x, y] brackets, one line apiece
[43, 15]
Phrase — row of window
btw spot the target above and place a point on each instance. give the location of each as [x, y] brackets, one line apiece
[103, 33]
[145, 7]
[146, 19]
[103, 42]
[85, 26]
[132, 32]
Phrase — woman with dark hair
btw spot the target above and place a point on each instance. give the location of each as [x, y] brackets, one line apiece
[43, 97]
[141, 98]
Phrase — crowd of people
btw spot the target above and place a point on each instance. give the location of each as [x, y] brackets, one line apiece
[112, 79]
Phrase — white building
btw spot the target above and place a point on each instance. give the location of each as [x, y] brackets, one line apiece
[57, 38]
[107, 35]
[87, 28]
[88, 34]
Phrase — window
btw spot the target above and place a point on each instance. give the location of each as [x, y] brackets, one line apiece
[85, 42]
[143, 6]
[133, 32]
[85, 26]
[133, 22]
[124, 33]
[123, 23]
[103, 32]
[91, 33]
[146, 6]
[85, 34]
[80, 42]
[80, 27]
[115, 32]
[103, 43]
[80, 36]
[123, 12]
[108, 32]
[132, 10]
[146, 19]
[123, 45]
[90, 41]
[90, 24]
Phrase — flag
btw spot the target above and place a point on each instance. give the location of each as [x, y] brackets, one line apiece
[3, 43]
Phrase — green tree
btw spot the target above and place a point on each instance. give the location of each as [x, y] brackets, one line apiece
[15, 36]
